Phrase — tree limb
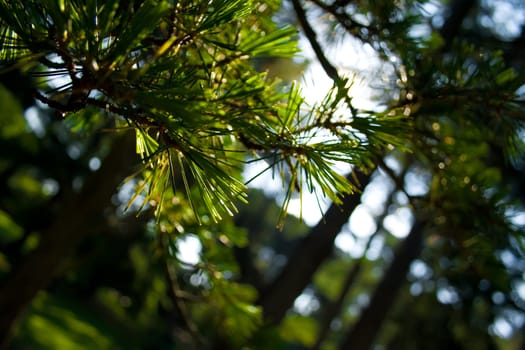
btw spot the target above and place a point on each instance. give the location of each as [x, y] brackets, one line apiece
[311, 252]
[457, 12]
[363, 333]
[328, 67]
[333, 309]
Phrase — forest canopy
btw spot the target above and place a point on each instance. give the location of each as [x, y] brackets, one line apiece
[127, 130]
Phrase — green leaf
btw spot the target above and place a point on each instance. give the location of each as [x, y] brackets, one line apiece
[506, 76]
[235, 313]
[435, 41]
[12, 123]
[289, 114]
[85, 121]
[219, 191]
[175, 108]
[299, 329]
[220, 12]
[279, 43]
[9, 230]
[139, 26]
[146, 144]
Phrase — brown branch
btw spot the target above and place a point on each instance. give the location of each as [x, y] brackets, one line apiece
[311, 252]
[174, 293]
[516, 53]
[458, 10]
[397, 179]
[328, 67]
[334, 308]
[363, 333]
[52, 103]
[352, 27]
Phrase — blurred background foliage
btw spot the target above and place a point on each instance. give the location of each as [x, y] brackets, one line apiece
[428, 254]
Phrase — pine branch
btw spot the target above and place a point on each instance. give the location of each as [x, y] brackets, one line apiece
[328, 67]
[457, 11]
[352, 27]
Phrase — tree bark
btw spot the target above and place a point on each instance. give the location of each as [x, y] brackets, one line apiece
[363, 333]
[311, 252]
[79, 212]
[457, 11]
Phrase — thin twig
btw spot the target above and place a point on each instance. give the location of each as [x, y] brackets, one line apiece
[174, 293]
[397, 179]
[352, 27]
